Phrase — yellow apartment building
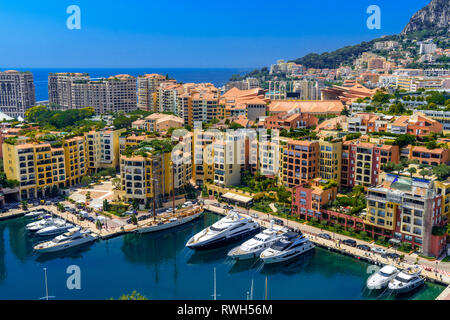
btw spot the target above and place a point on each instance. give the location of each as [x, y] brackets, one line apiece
[330, 159]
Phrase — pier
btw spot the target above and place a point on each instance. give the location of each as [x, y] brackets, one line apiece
[107, 231]
[15, 213]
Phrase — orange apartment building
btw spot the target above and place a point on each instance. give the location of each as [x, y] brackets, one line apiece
[362, 161]
[418, 124]
[300, 162]
[290, 121]
[308, 199]
[426, 156]
[249, 103]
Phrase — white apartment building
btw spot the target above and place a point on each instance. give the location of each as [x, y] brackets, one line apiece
[17, 93]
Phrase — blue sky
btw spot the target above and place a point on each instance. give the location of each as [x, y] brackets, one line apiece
[201, 33]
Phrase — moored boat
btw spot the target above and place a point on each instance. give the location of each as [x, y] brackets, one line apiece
[232, 227]
[381, 278]
[290, 246]
[72, 238]
[253, 247]
[407, 280]
[179, 219]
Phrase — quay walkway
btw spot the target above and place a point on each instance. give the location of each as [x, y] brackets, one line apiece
[13, 213]
[335, 244]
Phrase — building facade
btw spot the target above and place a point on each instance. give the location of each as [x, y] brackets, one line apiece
[17, 92]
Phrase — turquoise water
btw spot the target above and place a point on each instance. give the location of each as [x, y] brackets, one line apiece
[160, 267]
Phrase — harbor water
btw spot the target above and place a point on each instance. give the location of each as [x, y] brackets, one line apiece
[159, 266]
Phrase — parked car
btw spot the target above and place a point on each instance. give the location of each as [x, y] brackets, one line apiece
[278, 222]
[227, 207]
[216, 204]
[187, 204]
[143, 217]
[349, 242]
[129, 212]
[363, 247]
[391, 255]
[91, 219]
[378, 250]
[324, 236]
[129, 220]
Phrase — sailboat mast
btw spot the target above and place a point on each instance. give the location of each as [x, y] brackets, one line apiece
[215, 294]
[46, 284]
[173, 189]
[266, 290]
[251, 291]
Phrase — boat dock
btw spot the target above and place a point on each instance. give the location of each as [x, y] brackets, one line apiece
[445, 295]
[336, 245]
[15, 213]
[106, 232]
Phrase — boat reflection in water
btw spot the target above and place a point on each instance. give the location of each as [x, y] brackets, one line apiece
[71, 253]
[288, 267]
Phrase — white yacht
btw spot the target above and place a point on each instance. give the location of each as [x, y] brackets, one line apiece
[178, 220]
[291, 245]
[38, 225]
[228, 229]
[57, 228]
[34, 214]
[252, 248]
[407, 280]
[72, 238]
[380, 279]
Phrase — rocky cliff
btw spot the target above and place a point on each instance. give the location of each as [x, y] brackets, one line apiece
[434, 17]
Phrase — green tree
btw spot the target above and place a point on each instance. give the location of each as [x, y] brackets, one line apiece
[441, 171]
[134, 219]
[424, 173]
[133, 296]
[86, 180]
[412, 170]
[404, 139]
[105, 205]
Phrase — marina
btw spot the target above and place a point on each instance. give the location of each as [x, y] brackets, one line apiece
[160, 266]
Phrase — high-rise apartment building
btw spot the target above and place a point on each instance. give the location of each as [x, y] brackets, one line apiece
[407, 208]
[17, 93]
[102, 149]
[60, 89]
[330, 159]
[41, 166]
[147, 86]
[300, 162]
[76, 91]
[362, 162]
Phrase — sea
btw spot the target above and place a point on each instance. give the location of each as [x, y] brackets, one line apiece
[159, 266]
[216, 76]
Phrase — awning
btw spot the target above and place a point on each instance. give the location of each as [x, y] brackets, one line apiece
[394, 241]
[237, 197]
